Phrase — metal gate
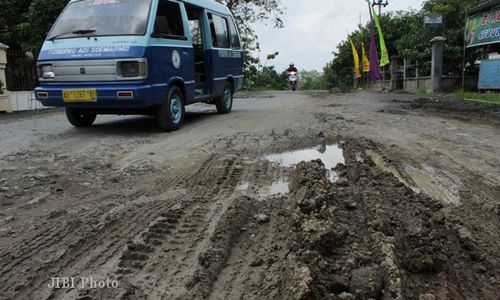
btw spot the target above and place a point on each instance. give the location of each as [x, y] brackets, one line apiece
[20, 72]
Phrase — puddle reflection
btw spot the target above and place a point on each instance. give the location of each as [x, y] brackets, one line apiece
[330, 155]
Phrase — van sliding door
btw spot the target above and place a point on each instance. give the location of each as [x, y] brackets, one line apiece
[225, 57]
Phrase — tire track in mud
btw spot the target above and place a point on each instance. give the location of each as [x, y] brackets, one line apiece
[42, 241]
[228, 173]
[162, 259]
[89, 254]
[85, 255]
[256, 264]
[130, 253]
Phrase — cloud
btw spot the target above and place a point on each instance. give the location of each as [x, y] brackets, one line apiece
[314, 28]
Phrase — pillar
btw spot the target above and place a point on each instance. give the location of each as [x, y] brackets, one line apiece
[3, 63]
[4, 98]
[437, 62]
[394, 72]
[406, 62]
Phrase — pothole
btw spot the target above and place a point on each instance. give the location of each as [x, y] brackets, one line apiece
[330, 155]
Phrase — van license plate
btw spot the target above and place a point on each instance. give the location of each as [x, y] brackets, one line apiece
[79, 95]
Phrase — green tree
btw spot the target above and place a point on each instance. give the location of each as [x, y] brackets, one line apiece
[266, 78]
[24, 23]
[313, 80]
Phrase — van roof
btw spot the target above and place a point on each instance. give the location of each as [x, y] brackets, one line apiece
[208, 4]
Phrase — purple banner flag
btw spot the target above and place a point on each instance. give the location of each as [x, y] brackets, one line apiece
[374, 67]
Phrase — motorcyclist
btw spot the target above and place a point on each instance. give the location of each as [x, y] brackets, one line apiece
[293, 73]
[292, 68]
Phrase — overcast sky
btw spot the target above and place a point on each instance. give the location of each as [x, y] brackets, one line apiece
[314, 28]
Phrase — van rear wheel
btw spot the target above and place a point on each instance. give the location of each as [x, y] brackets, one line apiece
[171, 113]
[79, 117]
[224, 103]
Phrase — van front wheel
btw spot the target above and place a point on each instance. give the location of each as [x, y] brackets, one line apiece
[171, 113]
[79, 117]
[224, 103]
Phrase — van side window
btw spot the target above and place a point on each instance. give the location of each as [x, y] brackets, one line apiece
[219, 31]
[168, 22]
[235, 39]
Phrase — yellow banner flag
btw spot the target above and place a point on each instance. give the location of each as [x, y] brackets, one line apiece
[356, 59]
[366, 61]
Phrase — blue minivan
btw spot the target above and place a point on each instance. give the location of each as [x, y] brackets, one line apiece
[149, 57]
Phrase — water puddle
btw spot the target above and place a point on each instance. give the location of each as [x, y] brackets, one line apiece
[379, 161]
[279, 187]
[438, 186]
[330, 155]
[242, 186]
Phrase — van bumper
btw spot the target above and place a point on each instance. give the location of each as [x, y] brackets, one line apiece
[107, 96]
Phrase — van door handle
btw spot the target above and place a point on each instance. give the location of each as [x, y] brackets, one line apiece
[185, 52]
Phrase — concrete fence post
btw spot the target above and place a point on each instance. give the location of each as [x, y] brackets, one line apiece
[4, 98]
[394, 72]
[406, 62]
[437, 62]
[3, 62]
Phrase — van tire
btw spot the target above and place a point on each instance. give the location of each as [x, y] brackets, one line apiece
[79, 117]
[170, 115]
[224, 103]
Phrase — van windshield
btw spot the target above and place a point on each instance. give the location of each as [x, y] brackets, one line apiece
[102, 17]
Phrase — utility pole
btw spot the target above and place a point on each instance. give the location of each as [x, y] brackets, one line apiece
[380, 3]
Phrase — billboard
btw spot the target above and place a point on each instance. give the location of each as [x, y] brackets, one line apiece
[483, 28]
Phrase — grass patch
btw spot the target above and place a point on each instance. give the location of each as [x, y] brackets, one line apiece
[421, 92]
[488, 97]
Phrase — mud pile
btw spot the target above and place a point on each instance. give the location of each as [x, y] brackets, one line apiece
[464, 109]
[370, 236]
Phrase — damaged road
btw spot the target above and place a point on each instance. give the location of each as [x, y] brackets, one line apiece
[407, 206]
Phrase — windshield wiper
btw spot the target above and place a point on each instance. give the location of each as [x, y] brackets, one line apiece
[80, 32]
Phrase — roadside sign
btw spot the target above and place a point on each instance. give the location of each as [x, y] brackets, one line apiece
[433, 21]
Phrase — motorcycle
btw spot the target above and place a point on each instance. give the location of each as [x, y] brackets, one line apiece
[293, 78]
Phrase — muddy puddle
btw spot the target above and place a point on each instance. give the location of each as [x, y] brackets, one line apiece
[424, 178]
[330, 155]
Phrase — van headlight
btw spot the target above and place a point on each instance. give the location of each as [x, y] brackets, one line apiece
[133, 69]
[46, 71]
